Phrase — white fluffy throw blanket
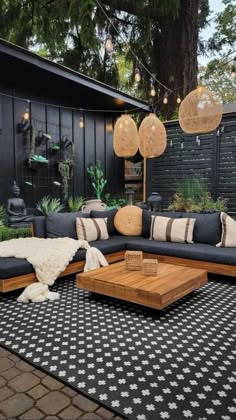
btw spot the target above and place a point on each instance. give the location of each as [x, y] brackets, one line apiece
[49, 258]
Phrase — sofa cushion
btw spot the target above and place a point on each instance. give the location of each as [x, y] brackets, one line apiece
[201, 252]
[59, 225]
[207, 228]
[228, 236]
[39, 226]
[172, 230]
[91, 229]
[115, 243]
[13, 267]
[110, 214]
[147, 218]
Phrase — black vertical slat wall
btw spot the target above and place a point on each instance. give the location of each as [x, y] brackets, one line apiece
[211, 156]
[91, 143]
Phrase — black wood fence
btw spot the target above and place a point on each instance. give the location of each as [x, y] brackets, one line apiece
[210, 156]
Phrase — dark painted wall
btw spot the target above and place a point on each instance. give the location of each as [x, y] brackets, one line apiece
[213, 159]
[91, 143]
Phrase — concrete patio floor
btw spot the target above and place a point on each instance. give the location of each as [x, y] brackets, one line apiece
[28, 393]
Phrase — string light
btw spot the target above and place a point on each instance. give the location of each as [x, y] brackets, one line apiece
[233, 70]
[26, 115]
[152, 88]
[81, 120]
[109, 43]
[137, 75]
[165, 100]
[178, 99]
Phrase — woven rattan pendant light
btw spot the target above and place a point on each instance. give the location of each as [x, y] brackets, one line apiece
[152, 137]
[200, 111]
[125, 139]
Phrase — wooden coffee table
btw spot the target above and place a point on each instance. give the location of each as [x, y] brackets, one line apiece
[172, 283]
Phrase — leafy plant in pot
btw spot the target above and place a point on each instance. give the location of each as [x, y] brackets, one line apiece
[98, 183]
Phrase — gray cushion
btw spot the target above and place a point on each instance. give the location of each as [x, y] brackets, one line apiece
[59, 225]
[207, 227]
[39, 226]
[147, 217]
[201, 252]
[13, 267]
[115, 243]
[110, 214]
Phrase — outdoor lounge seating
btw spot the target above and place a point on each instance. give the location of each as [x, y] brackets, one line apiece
[16, 273]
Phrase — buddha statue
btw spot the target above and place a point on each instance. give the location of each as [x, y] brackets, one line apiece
[16, 210]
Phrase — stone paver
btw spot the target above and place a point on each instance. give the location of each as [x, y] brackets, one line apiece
[2, 381]
[5, 364]
[45, 397]
[5, 393]
[32, 414]
[71, 413]
[53, 403]
[70, 392]
[52, 383]
[16, 405]
[84, 403]
[91, 416]
[38, 392]
[24, 382]
[25, 367]
[11, 373]
[105, 414]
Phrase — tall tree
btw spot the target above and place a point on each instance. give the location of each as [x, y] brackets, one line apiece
[162, 33]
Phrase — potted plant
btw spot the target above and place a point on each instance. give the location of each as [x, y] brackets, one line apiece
[75, 203]
[48, 204]
[98, 183]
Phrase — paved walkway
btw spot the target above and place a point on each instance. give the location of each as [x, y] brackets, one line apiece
[28, 393]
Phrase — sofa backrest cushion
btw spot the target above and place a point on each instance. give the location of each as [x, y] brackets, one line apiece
[39, 226]
[109, 214]
[59, 225]
[207, 228]
[147, 218]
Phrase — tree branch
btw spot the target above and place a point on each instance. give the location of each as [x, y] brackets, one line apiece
[133, 7]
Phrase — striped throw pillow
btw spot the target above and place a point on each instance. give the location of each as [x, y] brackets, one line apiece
[228, 236]
[166, 229]
[91, 229]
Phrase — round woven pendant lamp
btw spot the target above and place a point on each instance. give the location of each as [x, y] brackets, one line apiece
[152, 137]
[200, 111]
[125, 139]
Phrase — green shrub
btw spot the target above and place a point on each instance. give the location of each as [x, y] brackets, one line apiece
[48, 204]
[114, 202]
[7, 233]
[3, 215]
[75, 203]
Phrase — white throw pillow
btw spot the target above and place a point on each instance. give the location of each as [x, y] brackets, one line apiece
[91, 229]
[228, 236]
[166, 229]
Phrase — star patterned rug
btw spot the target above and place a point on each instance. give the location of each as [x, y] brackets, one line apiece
[144, 364]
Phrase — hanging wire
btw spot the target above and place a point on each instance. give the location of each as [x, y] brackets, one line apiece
[132, 52]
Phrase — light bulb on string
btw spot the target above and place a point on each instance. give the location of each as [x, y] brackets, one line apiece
[137, 75]
[233, 70]
[26, 115]
[165, 100]
[109, 44]
[178, 100]
[152, 88]
[81, 120]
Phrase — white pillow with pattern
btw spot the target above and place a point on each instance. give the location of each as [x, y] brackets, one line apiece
[91, 229]
[167, 229]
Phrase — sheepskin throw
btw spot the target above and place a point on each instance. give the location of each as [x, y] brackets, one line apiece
[49, 258]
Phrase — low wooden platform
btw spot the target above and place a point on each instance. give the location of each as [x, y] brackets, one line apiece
[172, 283]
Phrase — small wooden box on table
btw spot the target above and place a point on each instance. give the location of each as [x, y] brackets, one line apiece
[172, 283]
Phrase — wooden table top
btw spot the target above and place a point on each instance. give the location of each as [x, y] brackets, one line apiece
[171, 283]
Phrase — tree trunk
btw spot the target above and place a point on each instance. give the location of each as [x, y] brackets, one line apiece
[175, 54]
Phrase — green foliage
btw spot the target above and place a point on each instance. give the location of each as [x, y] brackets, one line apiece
[7, 233]
[3, 215]
[216, 76]
[114, 202]
[48, 204]
[97, 178]
[192, 195]
[75, 203]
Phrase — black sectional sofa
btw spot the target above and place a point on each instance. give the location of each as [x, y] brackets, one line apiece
[17, 273]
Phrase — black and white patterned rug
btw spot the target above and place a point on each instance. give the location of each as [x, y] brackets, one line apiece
[179, 363]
